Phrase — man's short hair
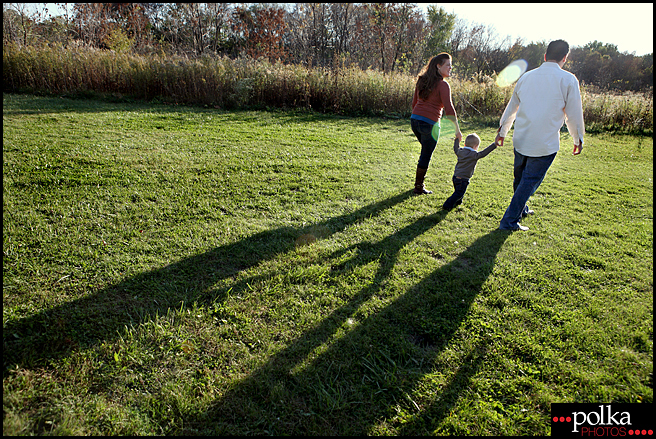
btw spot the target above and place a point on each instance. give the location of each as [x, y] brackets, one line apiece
[557, 50]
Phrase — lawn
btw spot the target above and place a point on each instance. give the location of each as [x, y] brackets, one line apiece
[177, 270]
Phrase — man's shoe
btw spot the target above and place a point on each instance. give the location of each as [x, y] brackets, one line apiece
[522, 228]
[529, 212]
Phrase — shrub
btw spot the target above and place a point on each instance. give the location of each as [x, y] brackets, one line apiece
[247, 83]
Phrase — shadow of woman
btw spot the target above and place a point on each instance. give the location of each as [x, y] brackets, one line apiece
[79, 324]
[359, 378]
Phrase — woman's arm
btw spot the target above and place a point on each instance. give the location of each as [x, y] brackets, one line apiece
[454, 120]
[449, 109]
[415, 98]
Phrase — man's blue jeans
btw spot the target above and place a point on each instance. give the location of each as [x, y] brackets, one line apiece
[529, 173]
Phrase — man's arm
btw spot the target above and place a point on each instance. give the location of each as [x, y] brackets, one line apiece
[574, 116]
[507, 119]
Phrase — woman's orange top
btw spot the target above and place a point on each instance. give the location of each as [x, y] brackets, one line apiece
[431, 108]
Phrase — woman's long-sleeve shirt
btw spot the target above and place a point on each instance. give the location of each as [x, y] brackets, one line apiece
[431, 108]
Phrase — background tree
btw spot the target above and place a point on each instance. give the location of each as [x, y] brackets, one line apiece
[259, 31]
[363, 40]
[11, 24]
[480, 41]
[392, 25]
[297, 39]
[198, 23]
[604, 66]
[91, 23]
[317, 47]
[500, 56]
[646, 75]
[383, 26]
[533, 53]
[219, 20]
[20, 23]
[408, 19]
[131, 18]
[384, 36]
[440, 30]
[156, 15]
[56, 29]
[341, 19]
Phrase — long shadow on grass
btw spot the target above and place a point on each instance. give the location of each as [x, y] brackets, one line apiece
[53, 333]
[362, 377]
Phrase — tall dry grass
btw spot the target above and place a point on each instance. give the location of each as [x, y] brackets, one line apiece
[632, 112]
[246, 83]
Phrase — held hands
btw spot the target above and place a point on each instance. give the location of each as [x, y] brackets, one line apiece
[498, 140]
[459, 135]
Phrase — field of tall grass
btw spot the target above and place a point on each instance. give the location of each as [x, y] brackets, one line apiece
[248, 84]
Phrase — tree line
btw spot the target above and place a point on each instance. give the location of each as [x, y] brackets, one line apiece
[387, 37]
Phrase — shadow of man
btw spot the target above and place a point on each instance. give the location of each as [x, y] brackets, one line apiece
[358, 379]
[99, 317]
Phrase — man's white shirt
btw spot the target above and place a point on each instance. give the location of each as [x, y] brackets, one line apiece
[543, 99]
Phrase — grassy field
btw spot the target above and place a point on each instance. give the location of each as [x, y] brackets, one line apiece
[175, 270]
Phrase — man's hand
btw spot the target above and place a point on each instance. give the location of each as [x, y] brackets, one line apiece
[459, 135]
[498, 140]
[578, 148]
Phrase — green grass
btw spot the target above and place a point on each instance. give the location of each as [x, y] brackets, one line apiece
[175, 270]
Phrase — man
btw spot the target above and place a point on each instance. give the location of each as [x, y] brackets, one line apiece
[543, 99]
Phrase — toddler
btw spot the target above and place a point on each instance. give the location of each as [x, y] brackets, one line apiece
[468, 156]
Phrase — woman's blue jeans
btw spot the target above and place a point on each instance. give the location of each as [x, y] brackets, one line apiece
[529, 173]
[427, 135]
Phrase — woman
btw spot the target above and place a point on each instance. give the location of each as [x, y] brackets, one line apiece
[432, 94]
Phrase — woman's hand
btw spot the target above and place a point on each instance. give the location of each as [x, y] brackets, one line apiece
[454, 121]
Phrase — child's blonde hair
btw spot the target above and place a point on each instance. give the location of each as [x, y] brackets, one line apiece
[472, 140]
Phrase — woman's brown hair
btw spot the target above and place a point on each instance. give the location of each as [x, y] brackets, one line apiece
[429, 76]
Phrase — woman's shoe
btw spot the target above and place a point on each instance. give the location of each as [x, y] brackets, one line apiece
[419, 182]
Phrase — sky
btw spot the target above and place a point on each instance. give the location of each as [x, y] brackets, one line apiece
[629, 26]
